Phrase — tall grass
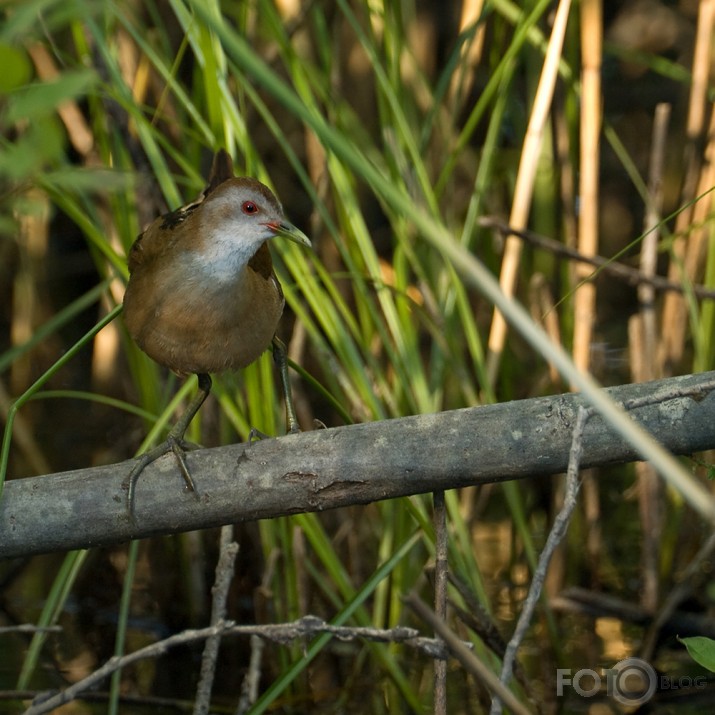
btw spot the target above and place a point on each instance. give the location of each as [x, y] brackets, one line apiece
[388, 133]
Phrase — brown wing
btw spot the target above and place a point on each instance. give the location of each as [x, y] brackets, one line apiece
[262, 263]
[155, 237]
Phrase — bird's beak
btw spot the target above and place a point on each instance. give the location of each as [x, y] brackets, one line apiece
[289, 231]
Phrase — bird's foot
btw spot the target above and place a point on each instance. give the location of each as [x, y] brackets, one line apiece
[255, 435]
[172, 444]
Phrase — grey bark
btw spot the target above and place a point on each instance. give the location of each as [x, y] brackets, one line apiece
[343, 466]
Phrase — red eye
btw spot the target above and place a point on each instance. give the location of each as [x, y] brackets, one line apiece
[248, 207]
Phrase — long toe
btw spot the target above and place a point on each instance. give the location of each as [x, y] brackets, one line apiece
[178, 447]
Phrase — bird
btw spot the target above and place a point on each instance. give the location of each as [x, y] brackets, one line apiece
[202, 295]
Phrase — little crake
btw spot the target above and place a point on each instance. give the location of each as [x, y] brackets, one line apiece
[202, 296]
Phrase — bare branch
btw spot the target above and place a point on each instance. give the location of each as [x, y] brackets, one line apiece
[345, 466]
[224, 575]
[441, 574]
[556, 535]
[632, 276]
[29, 628]
[306, 627]
[252, 679]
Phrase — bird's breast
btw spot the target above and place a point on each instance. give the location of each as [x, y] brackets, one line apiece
[194, 325]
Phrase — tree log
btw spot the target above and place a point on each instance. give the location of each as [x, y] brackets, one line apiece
[344, 466]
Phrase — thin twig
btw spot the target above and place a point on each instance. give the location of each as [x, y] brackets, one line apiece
[632, 276]
[224, 576]
[251, 681]
[284, 633]
[440, 597]
[557, 533]
[29, 628]
[249, 686]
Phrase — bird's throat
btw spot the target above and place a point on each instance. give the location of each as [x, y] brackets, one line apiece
[221, 259]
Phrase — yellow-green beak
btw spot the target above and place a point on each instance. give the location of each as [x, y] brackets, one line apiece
[289, 231]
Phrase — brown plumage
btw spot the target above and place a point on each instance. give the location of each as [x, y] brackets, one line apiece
[202, 296]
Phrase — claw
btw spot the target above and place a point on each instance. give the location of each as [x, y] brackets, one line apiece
[174, 443]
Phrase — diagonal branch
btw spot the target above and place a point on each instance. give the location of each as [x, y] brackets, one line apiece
[632, 276]
[344, 466]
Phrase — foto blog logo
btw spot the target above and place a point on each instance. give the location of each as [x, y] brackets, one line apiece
[630, 682]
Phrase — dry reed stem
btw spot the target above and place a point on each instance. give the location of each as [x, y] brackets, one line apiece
[543, 312]
[649, 487]
[590, 130]
[463, 80]
[78, 130]
[651, 238]
[588, 227]
[526, 175]
[642, 330]
[567, 176]
[674, 320]
[701, 68]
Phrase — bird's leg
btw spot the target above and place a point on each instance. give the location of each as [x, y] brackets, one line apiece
[280, 355]
[174, 442]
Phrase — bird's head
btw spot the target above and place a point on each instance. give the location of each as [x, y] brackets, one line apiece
[236, 218]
